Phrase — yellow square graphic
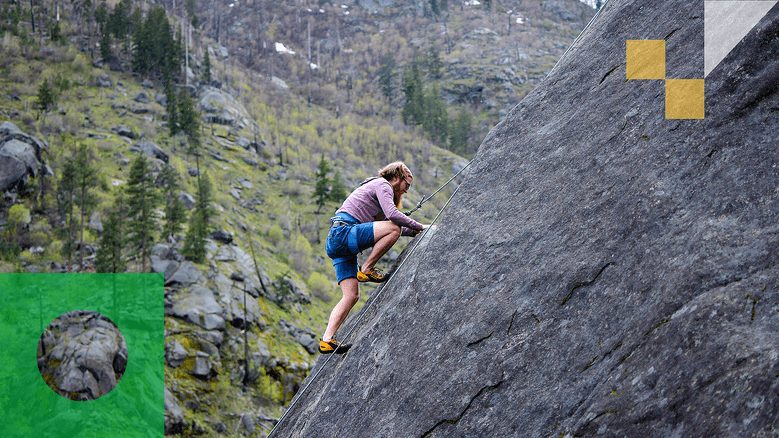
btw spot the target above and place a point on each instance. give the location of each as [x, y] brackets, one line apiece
[645, 59]
[684, 99]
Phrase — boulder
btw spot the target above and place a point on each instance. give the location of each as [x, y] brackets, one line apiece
[82, 355]
[104, 81]
[247, 421]
[231, 297]
[124, 131]
[202, 368]
[142, 97]
[279, 83]
[304, 337]
[12, 172]
[185, 275]
[226, 253]
[218, 106]
[20, 156]
[165, 267]
[187, 200]
[198, 306]
[95, 223]
[222, 236]
[243, 142]
[287, 290]
[175, 354]
[174, 418]
[151, 150]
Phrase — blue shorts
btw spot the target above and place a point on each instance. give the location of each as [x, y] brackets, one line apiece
[344, 242]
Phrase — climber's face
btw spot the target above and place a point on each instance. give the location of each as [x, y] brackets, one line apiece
[403, 184]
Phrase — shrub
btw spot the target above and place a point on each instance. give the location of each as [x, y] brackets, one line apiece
[275, 234]
[320, 286]
[20, 72]
[80, 64]
[10, 45]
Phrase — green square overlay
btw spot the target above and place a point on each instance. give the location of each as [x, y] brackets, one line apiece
[134, 302]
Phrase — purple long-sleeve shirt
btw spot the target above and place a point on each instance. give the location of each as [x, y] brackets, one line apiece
[374, 201]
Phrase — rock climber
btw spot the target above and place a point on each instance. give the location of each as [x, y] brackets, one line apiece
[369, 217]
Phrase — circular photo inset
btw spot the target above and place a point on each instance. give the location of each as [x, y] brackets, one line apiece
[82, 355]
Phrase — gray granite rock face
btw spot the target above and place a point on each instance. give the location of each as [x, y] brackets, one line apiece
[186, 274]
[602, 270]
[20, 156]
[175, 353]
[220, 107]
[151, 150]
[82, 355]
[174, 418]
[304, 337]
[202, 367]
[242, 311]
[124, 131]
[198, 306]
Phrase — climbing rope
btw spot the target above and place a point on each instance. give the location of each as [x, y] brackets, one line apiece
[376, 298]
[427, 198]
[578, 37]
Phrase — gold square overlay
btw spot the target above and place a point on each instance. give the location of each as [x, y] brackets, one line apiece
[645, 59]
[684, 99]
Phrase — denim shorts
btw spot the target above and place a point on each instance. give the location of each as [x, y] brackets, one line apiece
[344, 242]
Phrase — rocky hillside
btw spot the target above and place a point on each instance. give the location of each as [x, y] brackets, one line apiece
[487, 55]
[602, 269]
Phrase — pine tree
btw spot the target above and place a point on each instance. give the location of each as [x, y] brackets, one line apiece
[413, 92]
[387, 76]
[101, 16]
[189, 119]
[199, 223]
[142, 53]
[434, 7]
[337, 189]
[322, 185]
[119, 20]
[206, 68]
[435, 120]
[55, 31]
[171, 105]
[110, 256]
[174, 209]
[66, 199]
[105, 46]
[154, 49]
[142, 200]
[460, 133]
[434, 63]
[86, 181]
[45, 99]
[191, 7]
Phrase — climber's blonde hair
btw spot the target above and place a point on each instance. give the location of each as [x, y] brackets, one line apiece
[398, 169]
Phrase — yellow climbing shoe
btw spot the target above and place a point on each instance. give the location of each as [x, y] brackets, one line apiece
[374, 275]
[333, 346]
